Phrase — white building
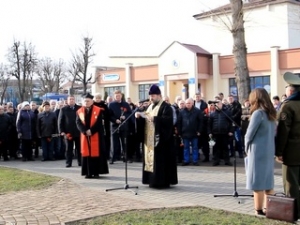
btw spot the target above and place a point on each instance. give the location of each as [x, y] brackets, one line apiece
[267, 23]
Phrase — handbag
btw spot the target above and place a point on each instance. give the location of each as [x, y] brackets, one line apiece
[281, 207]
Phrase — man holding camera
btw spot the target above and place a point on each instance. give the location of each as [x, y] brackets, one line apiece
[220, 128]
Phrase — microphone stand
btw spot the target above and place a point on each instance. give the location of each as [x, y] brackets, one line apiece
[235, 193]
[126, 185]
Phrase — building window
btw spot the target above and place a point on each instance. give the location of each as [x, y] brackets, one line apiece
[109, 91]
[144, 91]
[255, 82]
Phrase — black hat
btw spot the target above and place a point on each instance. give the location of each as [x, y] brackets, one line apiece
[87, 95]
[46, 103]
[154, 90]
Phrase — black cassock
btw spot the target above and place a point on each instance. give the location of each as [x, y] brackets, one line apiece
[164, 163]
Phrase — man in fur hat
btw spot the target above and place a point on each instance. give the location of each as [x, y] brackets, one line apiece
[159, 160]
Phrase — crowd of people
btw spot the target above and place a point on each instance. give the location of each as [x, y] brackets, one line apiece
[162, 135]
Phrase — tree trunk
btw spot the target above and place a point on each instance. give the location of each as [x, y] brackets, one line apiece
[240, 50]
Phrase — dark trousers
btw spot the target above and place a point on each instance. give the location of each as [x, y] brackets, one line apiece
[27, 148]
[62, 150]
[178, 145]
[131, 146]
[291, 183]
[221, 147]
[238, 142]
[56, 146]
[118, 145]
[3, 150]
[13, 146]
[36, 145]
[203, 143]
[70, 147]
[47, 147]
[107, 139]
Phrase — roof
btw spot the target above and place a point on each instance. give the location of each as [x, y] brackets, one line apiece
[196, 49]
[193, 48]
[246, 5]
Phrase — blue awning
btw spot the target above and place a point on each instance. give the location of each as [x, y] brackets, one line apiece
[54, 96]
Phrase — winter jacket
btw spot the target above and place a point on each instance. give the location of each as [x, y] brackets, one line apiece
[189, 122]
[5, 126]
[26, 124]
[116, 110]
[235, 109]
[46, 124]
[67, 121]
[219, 122]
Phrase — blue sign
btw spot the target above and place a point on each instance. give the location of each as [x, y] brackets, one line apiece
[175, 63]
[191, 80]
[161, 83]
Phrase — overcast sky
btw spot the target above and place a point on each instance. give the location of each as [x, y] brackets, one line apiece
[118, 27]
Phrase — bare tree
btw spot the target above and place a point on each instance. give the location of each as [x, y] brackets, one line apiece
[51, 74]
[235, 25]
[22, 58]
[80, 62]
[4, 78]
[240, 50]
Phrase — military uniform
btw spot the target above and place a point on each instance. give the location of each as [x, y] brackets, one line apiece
[288, 145]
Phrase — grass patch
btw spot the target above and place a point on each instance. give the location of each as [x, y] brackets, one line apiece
[20, 180]
[178, 216]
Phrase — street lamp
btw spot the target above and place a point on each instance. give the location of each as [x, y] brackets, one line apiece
[46, 88]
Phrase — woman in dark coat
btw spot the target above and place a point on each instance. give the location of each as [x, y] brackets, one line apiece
[26, 127]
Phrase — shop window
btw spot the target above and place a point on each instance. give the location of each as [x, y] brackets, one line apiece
[255, 82]
[144, 91]
[109, 91]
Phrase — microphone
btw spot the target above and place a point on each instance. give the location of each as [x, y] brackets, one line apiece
[213, 102]
[143, 101]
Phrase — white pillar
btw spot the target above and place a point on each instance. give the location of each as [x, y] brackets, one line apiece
[193, 78]
[163, 85]
[216, 73]
[275, 74]
[128, 83]
[95, 86]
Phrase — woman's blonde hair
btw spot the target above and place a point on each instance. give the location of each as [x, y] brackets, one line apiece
[260, 99]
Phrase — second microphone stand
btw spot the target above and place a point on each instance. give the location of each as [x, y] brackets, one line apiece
[126, 185]
[235, 193]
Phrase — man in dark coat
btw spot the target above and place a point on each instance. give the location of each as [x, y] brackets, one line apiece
[45, 128]
[13, 135]
[220, 128]
[36, 141]
[203, 140]
[119, 111]
[89, 123]
[189, 126]
[287, 139]
[5, 127]
[235, 109]
[106, 119]
[159, 160]
[67, 128]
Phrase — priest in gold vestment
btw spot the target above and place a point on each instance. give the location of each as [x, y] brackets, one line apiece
[159, 158]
